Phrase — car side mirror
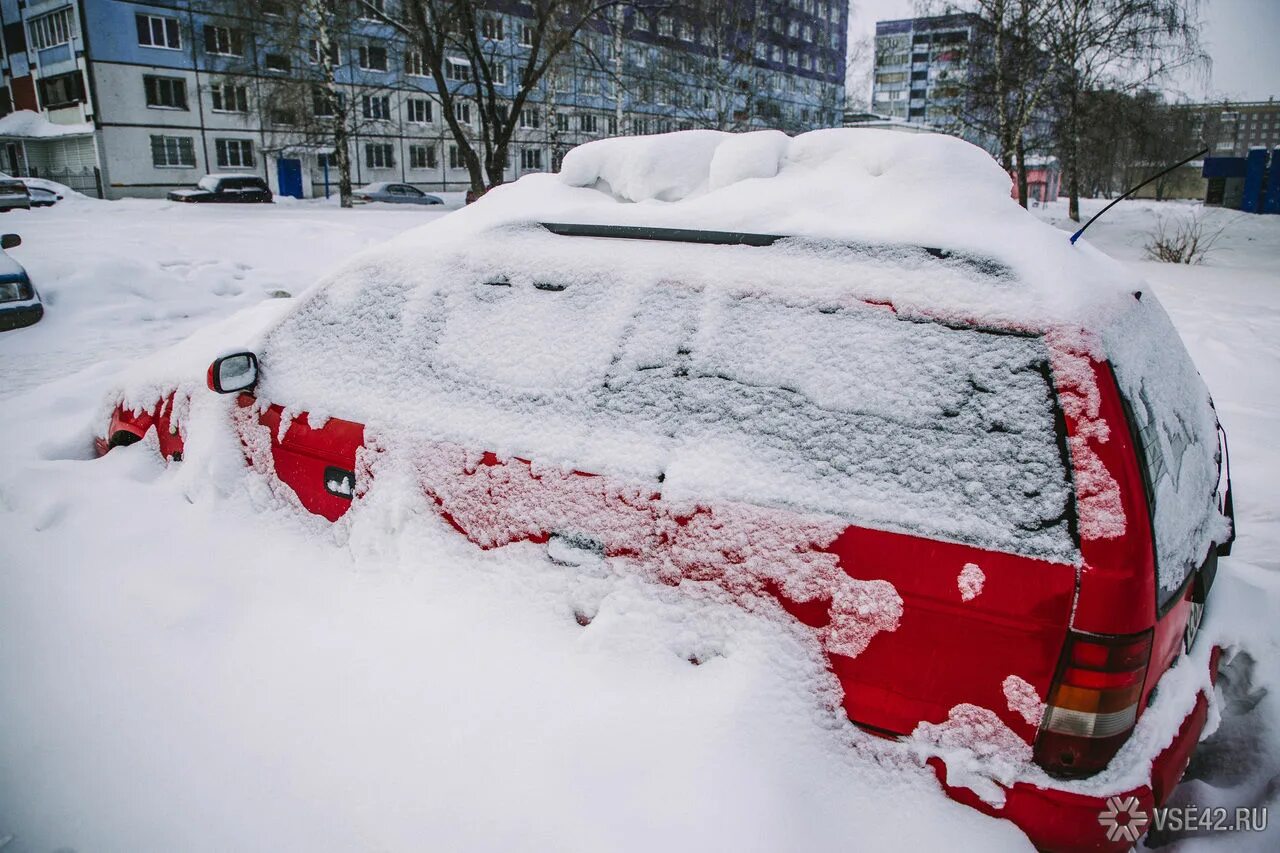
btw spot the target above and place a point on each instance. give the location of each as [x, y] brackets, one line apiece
[10, 241]
[232, 373]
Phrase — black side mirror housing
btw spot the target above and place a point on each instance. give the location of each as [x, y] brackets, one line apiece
[232, 373]
[10, 241]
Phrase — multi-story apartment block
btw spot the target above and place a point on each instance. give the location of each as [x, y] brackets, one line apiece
[155, 94]
[1230, 129]
[920, 66]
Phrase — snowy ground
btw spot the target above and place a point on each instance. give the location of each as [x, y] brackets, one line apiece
[183, 667]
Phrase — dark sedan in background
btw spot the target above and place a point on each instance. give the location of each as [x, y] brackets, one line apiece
[233, 189]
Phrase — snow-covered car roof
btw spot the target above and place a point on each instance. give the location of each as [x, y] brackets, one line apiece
[855, 186]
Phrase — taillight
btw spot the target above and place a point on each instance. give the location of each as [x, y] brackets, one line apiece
[1093, 703]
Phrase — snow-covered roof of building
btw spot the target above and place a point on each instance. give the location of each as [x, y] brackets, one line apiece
[25, 124]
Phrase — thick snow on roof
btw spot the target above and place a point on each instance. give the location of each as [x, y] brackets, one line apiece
[31, 125]
[843, 185]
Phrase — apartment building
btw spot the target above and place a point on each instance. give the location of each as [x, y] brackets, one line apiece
[153, 95]
[1232, 128]
[920, 66]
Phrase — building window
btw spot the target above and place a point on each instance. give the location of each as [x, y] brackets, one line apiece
[686, 32]
[456, 69]
[324, 104]
[530, 159]
[173, 152]
[588, 123]
[229, 98]
[613, 125]
[376, 107]
[52, 29]
[373, 57]
[223, 41]
[414, 64]
[315, 54]
[491, 27]
[277, 62]
[418, 110]
[562, 122]
[379, 155]
[642, 22]
[498, 71]
[422, 157]
[590, 86]
[526, 36]
[234, 153]
[462, 112]
[158, 31]
[61, 90]
[373, 9]
[455, 158]
[530, 118]
[666, 26]
[165, 93]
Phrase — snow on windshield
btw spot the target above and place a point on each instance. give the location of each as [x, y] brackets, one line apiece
[718, 371]
[208, 182]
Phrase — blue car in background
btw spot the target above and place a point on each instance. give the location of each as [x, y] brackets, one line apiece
[19, 302]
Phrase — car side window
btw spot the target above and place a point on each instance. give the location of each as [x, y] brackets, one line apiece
[1175, 430]
[412, 192]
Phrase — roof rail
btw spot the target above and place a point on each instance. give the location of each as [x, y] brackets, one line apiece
[986, 266]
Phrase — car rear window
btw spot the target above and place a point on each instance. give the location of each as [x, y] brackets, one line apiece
[1176, 429]
[841, 408]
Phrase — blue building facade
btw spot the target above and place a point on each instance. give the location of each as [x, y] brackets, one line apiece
[175, 89]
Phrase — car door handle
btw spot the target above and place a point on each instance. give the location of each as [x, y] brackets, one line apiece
[339, 482]
[574, 549]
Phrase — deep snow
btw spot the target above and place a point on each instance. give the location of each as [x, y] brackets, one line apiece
[186, 664]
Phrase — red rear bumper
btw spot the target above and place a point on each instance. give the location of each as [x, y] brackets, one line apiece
[1065, 822]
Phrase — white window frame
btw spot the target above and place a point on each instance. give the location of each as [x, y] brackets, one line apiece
[428, 158]
[493, 28]
[218, 31]
[531, 160]
[218, 92]
[164, 21]
[231, 153]
[364, 53]
[52, 29]
[175, 152]
[379, 155]
[174, 84]
[423, 105]
[375, 107]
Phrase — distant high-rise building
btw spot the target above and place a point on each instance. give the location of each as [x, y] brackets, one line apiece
[920, 68]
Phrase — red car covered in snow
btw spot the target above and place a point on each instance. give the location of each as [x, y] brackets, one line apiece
[1002, 525]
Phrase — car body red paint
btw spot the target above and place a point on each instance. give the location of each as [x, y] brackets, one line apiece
[944, 651]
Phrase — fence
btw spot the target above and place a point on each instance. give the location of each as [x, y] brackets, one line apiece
[87, 180]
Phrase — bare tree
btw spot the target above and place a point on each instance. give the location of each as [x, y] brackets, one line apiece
[1118, 45]
[464, 49]
[298, 91]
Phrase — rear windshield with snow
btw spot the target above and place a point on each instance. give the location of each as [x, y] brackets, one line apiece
[1176, 429]
[829, 406]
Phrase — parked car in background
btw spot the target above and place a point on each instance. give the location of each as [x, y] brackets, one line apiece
[19, 302]
[392, 193]
[14, 195]
[42, 196]
[226, 189]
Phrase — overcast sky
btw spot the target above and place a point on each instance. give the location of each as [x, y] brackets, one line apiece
[1242, 37]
